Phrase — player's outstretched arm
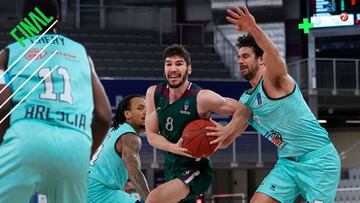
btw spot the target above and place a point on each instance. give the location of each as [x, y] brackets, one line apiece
[131, 145]
[102, 112]
[152, 128]
[275, 66]
[209, 101]
[4, 95]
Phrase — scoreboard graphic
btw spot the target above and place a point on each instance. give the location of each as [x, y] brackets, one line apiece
[333, 13]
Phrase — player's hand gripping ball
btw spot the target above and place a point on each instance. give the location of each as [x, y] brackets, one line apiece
[195, 139]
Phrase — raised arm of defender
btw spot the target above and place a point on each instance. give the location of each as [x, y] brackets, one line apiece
[275, 74]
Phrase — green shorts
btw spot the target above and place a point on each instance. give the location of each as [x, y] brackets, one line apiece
[49, 160]
[315, 176]
[198, 177]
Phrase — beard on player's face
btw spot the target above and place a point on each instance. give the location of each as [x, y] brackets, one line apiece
[137, 122]
[179, 81]
[250, 74]
[136, 114]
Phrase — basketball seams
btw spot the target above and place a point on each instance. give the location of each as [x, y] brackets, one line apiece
[190, 140]
[202, 128]
[199, 128]
[198, 146]
[207, 137]
[194, 130]
[194, 136]
[201, 144]
[197, 154]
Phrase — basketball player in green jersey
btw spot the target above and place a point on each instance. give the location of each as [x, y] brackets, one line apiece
[117, 159]
[308, 162]
[170, 107]
[47, 143]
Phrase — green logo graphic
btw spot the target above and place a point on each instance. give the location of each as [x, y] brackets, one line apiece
[306, 25]
[32, 27]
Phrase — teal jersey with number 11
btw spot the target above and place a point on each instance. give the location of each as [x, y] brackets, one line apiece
[59, 98]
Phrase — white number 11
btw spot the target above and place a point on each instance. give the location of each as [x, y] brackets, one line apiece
[65, 96]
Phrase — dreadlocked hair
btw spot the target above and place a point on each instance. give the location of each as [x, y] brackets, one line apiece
[123, 106]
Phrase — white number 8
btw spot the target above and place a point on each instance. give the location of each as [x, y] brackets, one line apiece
[169, 124]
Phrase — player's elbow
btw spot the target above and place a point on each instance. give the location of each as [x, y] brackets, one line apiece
[100, 126]
[149, 132]
[102, 116]
[150, 138]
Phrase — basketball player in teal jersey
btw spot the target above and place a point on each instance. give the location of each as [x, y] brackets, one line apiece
[117, 159]
[308, 162]
[46, 147]
[170, 107]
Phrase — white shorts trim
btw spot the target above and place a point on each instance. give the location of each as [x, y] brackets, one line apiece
[190, 178]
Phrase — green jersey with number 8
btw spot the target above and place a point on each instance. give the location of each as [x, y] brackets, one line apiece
[174, 117]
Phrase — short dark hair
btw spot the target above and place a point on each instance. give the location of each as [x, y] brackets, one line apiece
[249, 41]
[123, 106]
[177, 50]
[48, 7]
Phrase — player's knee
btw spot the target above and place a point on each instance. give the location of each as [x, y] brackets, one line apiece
[253, 199]
[256, 199]
[262, 198]
[153, 197]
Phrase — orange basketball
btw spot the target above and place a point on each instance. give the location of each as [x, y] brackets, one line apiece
[195, 139]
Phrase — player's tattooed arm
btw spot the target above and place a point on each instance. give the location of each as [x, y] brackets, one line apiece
[131, 145]
[5, 94]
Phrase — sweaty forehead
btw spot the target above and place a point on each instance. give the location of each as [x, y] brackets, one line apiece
[246, 50]
[137, 101]
[174, 58]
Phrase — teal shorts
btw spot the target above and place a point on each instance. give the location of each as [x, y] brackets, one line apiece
[39, 158]
[100, 193]
[315, 176]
